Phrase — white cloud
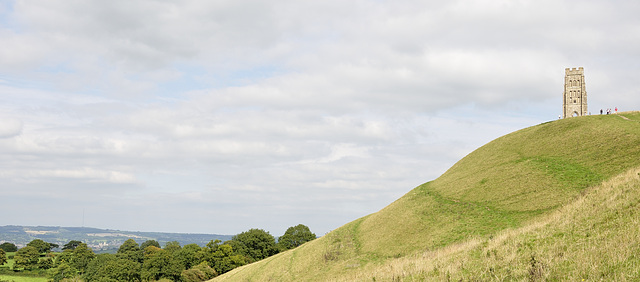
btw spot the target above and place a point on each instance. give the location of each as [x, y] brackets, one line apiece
[269, 114]
[89, 174]
[10, 127]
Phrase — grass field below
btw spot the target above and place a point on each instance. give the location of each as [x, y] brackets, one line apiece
[9, 278]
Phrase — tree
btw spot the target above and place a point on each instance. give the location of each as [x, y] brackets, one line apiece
[221, 256]
[53, 246]
[41, 246]
[3, 257]
[131, 251]
[71, 245]
[26, 258]
[295, 236]
[62, 272]
[200, 272]
[81, 257]
[65, 257]
[109, 267]
[150, 250]
[128, 246]
[48, 261]
[45, 263]
[8, 247]
[255, 244]
[159, 263]
[149, 243]
[172, 246]
[190, 255]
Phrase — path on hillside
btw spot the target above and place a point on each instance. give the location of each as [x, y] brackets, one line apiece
[626, 118]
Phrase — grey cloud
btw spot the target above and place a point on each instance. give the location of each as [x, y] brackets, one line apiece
[10, 127]
[428, 53]
[152, 34]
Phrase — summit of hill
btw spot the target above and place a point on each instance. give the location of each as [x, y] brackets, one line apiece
[559, 200]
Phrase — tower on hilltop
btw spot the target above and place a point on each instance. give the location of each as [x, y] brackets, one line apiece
[574, 97]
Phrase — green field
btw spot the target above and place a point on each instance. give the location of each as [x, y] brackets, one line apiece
[558, 201]
[10, 262]
[21, 278]
[25, 276]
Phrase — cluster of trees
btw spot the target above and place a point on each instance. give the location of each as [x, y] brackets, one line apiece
[28, 257]
[150, 262]
[5, 248]
[8, 247]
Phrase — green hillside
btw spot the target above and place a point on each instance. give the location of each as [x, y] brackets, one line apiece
[539, 182]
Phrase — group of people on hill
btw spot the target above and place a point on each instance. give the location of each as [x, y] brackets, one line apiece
[609, 111]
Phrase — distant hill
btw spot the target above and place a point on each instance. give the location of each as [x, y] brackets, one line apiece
[104, 240]
[555, 201]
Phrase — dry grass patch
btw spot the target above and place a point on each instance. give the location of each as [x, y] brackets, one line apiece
[596, 237]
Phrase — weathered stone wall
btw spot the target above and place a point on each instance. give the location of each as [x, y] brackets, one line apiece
[574, 94]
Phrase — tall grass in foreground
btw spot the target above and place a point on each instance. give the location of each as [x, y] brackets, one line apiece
[596, 237]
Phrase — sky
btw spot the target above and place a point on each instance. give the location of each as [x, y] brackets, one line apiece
[222, 116]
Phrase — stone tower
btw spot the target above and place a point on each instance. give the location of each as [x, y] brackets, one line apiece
[574, 97]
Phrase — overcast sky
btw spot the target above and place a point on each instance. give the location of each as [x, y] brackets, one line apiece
[221, 116]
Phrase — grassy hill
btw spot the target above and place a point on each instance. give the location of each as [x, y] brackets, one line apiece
[556, 200]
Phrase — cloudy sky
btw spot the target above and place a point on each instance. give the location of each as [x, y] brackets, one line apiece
[221, 116]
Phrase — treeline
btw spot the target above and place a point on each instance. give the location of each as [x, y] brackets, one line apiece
[100, 240]
[151, 262]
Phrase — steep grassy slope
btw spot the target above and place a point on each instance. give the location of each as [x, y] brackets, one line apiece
[594, 238]
[512, 182]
